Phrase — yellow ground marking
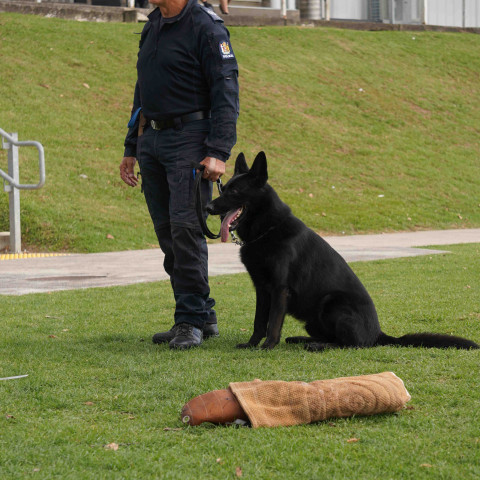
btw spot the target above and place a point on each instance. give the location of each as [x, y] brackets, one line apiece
[20, 256]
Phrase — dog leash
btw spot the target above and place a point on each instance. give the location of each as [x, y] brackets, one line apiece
[197, 193]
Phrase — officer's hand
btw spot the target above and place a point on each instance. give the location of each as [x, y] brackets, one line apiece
[126, 171]
[214, 168]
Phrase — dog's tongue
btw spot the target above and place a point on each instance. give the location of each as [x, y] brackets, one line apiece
[225, 228]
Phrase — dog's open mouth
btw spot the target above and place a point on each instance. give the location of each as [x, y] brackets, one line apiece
[230, 222]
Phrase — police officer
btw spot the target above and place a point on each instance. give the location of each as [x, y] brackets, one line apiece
[185, 110]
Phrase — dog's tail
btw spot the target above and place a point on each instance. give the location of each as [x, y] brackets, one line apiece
[427, 340]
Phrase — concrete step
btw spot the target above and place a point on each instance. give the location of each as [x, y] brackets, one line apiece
[257, 16]
[124, 3]
[244, 3]
[84, 13]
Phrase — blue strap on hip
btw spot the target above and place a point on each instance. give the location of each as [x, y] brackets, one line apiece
[134, 117]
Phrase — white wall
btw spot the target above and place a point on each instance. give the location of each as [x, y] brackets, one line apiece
[437, 12]
[450, 13]
[472, 13]
[349, 9]
[444, 12]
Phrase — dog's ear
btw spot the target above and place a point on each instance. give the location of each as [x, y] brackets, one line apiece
[259, 169]
[240, 164]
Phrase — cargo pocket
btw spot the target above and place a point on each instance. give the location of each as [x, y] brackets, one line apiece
[182, 211]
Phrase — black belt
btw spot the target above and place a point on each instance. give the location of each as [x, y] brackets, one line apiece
[178, 121]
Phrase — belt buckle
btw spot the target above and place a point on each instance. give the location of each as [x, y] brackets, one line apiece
[153, 124]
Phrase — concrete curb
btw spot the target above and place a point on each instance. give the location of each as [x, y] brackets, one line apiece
[396, 27]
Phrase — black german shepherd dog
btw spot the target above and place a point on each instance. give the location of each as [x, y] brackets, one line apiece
[295, 271]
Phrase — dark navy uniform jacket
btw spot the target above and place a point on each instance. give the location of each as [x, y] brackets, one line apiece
[186, 64]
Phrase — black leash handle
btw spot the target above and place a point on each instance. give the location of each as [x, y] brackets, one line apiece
[197, 194]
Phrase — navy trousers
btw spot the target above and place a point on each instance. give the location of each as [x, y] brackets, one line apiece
[165, 158]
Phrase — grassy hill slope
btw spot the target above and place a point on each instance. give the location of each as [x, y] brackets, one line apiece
[364, 131]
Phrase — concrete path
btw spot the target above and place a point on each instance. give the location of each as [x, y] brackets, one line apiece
[36, 275]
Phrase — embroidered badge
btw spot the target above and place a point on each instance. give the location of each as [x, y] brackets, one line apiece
[226, 51]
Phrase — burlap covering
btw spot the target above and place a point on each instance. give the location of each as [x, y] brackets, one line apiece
[278, 403]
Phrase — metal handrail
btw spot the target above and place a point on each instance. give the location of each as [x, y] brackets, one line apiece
[41, 162]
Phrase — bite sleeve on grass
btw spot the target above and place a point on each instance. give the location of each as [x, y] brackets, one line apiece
[279, 403]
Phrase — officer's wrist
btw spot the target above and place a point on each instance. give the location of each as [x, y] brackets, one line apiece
[218, 155]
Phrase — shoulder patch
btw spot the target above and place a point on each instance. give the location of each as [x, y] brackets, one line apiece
[211, 13]
[226, 50]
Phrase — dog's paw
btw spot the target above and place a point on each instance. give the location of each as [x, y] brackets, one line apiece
[245, 345]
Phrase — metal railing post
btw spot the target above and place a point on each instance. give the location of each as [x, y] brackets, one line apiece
[14, 198]
[13, 186]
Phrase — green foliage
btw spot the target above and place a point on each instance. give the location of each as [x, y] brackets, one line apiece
[364, 131]
[95, 378]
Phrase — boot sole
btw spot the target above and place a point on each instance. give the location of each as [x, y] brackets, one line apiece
[159, 342]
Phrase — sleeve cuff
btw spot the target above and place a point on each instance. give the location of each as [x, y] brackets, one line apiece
[130, 151]
[217, 154]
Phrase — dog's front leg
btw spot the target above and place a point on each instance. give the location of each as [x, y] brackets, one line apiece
[278, 309]
[261, 319]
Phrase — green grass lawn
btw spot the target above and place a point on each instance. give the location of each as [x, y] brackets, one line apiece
[364, 131]
[95, 378]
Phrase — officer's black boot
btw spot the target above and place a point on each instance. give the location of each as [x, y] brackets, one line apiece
[186, 336]
[209, 330]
